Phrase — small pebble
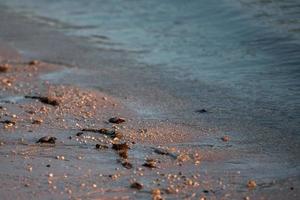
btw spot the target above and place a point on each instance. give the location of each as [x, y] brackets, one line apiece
[137, 185]
[116, 120]
[251, 184]
[225, 138]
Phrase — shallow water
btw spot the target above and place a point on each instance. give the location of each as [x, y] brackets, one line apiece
[237, 59]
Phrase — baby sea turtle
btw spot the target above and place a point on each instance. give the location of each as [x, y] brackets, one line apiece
[47, 139]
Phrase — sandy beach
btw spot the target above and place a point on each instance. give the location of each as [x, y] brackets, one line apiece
[97, 145]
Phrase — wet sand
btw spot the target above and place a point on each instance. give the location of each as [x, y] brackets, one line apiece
[186, 162]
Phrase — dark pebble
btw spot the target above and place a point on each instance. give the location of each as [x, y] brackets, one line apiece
[33, 62]
[101, 146]
[116, 120]
[201, 111]
[4, 68]
[45, 100]
[136, 185]
[119, 147]
[8, 122]
[150, 163]
[79, 133]
[127, 165]
[123, 154]
[47, 139]
[48, 165]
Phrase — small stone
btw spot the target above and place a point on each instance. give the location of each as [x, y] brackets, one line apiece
[251, 184]
[183, 157]
[33, 62]
[79, 133]
[47, 139]
[26, 184]
[150, 163]
[201, 111]
[123, 154]
[29, 168]
[137, 185]
[48, 165]
[94, 185]
[50, 175]
[116, 120]
[37, 121]
[156, 194]
[127, 165]
[247, 198]
[101, 146]
[4, 68]
[225, 138]
[119, 147]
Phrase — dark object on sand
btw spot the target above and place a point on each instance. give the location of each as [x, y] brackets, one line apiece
[101, 146]
[116, 120]
[79, 133]
[251, 184]
[165, 152]
[123, 154]
[45, 100]
[225, 138]
[127, 165]
[104, 131]
[120, 147]
[47, 139]
[150, 163]
[48, 165]
[4, 68]
[201, 111]
[34, 62]
[136, 185]
[8, 122]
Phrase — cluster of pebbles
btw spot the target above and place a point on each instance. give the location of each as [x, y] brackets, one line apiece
[45, 107]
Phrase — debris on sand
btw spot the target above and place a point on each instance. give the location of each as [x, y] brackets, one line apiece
[45, 100]
[225, 138]
[8, 122]
[34, 62]
[111, 133]
[123, 154]
[4, 68]
[183, 157]
[161, 151]
[37, 121]
[79, 133]
[136, 185]
[47, 139]
[116, 120]
[127, 165]
[156, 194]
[201, 111]
[251, 184]
[101, 146]
[150, 163]
[7, 82]
[120, 147]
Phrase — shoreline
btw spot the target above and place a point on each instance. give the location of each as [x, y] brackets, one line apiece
[157, 133]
